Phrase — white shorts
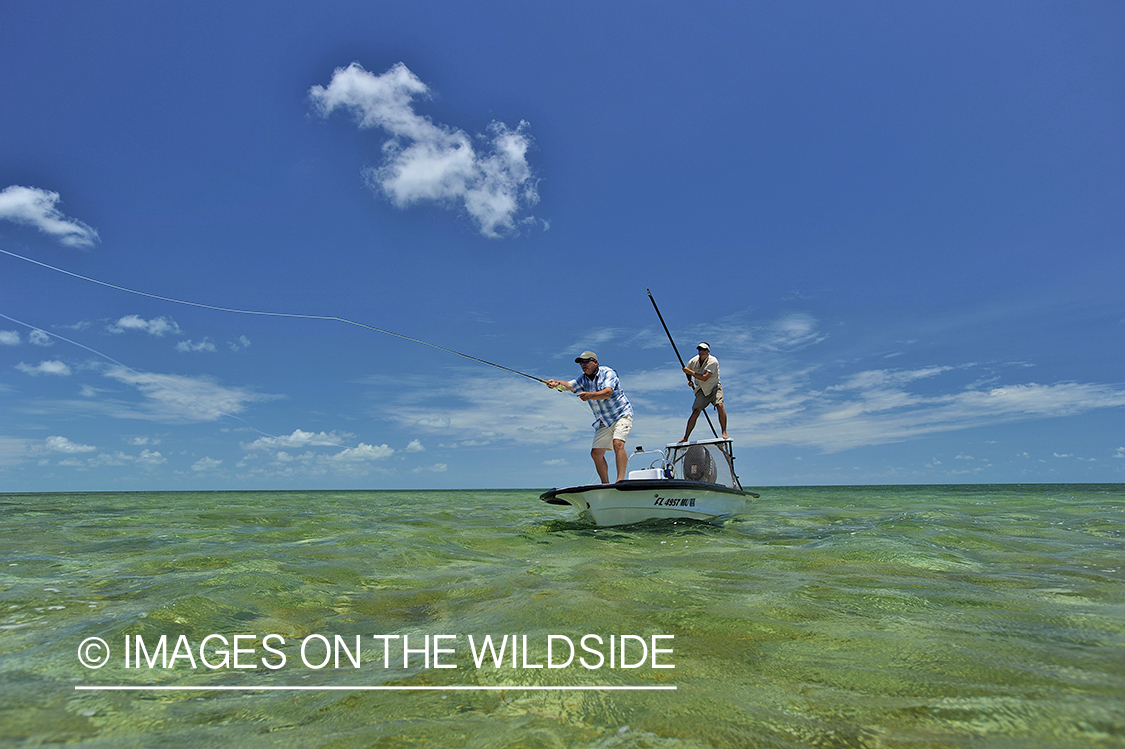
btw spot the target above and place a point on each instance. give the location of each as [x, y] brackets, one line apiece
[618, 430]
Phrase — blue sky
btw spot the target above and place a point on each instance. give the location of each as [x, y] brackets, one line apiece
[899, 226]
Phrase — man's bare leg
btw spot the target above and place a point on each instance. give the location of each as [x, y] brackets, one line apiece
[598, 454]
[722, 420]
[622, 459]
[690, 425]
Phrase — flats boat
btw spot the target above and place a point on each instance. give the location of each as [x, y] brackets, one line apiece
[693, 480]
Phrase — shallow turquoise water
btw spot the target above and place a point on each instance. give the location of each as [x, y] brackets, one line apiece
[956, 616]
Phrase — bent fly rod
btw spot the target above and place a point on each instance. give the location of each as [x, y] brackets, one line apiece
[682, 365]
[295, 315]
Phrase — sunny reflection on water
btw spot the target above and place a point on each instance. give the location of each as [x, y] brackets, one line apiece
[975, 616]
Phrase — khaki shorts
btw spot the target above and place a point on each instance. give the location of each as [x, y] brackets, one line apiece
[618, 430]
[715, 398]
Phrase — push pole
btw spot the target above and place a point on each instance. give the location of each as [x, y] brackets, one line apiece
[682, 365]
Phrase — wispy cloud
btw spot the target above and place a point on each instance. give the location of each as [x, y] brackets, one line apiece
[425, 161]
[177, 398]
[475, 407]
[14, 450]
[781, 389]
[868, 409]
[779, 335]
[9, 338]
[38, 208]
[873, 379]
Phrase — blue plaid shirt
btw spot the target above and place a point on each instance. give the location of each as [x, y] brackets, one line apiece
[610, 410]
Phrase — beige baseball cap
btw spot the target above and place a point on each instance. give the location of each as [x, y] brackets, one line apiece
[585, 356]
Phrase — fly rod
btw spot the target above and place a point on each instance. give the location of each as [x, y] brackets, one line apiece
[682, 365]
[270, 314]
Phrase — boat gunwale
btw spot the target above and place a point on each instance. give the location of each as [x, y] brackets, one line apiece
[637, 485]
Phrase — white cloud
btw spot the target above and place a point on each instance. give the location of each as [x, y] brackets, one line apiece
[34, 207]
[189, 346]
[361, 453]
[415, 446]
[157, 326]
[63, 445]
[176, 398]
[425, 161]
[151, 458]
[298, 439]
[36, 337]
[146, 458]
[241, 343]
[206, 464]
[354, 461]
[45, 367]
[435, 468]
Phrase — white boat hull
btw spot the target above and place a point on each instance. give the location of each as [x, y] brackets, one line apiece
[636, 501]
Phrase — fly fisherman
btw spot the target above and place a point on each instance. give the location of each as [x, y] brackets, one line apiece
[704, 368]
[613, 413]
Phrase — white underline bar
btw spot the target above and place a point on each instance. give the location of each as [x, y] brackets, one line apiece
[512, 688]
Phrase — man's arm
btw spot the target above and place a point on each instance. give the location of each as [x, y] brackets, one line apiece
[699, 376]
[598, 395]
